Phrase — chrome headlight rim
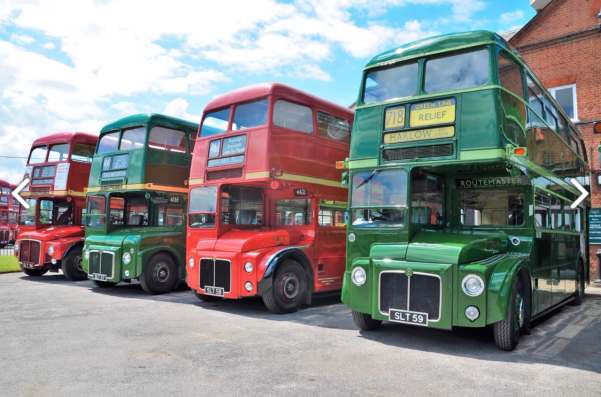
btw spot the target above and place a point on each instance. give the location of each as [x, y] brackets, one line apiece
[50, 250]
[469, 292]
[248, 267]
[359, 276]
[126, 258]
[191, 262]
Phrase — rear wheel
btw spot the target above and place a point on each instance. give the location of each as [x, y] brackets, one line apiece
[507, 331]
[35, 272]
[71, 266]
[580, 285]
[104, 284]
[365, 322]
[160, 275]
[289, 289]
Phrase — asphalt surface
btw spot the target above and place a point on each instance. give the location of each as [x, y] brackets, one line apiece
[63, 338]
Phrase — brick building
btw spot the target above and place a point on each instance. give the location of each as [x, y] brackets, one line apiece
[562, 44]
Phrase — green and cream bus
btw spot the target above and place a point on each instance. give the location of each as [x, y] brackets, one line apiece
[136, 200]
[461, 173]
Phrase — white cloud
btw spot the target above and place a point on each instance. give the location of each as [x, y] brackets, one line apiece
[179, 108]
[512, 17]
[49, 46]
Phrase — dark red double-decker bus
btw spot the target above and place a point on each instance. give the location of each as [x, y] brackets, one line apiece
[8, 214]
[266, 206]
[51, 234]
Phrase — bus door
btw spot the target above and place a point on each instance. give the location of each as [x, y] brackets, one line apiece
[330, 242]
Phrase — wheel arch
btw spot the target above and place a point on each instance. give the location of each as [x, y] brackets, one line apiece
[499, 296]
[275, 261]
[77, 244]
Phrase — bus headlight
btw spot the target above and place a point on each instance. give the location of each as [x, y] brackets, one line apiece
[248, 267]
[472, 285]
[248, 286]
[191, 262]
[358, 276]
[50, 250]
[126, 258]
[472, 313]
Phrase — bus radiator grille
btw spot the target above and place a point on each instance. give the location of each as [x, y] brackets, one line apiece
[423, 296]
[215, 273]
[29, 252]
[418, 152]
[101, 263]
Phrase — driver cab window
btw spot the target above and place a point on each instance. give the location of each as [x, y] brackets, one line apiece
[293, 212]
[427, 198]
[491, 207]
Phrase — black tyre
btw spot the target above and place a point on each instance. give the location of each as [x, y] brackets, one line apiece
[365, 322]
[160, 275]
[104, 284]
[507, 331]
[35, 272]
[289, 289]
[580, 286]
[207, 298]
[71, 266]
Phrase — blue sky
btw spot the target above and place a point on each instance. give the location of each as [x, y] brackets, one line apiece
[77, 65]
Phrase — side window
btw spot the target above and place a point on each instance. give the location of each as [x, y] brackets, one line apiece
[556, 213]
[541, 209]
[427, 197]
[535, 98]
[163, 138]
[333, 127]
[215, 122]
[293, 116]
[483, 207]
[510, 74]
[82, 152]
[117, 211]
[170, 215]
[58, 152]
[331, 213]
[249, 115]
[293, 212]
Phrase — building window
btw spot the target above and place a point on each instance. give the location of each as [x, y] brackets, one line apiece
[566, 96]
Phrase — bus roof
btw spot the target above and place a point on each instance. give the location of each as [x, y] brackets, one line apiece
[144, 118]
[436, 44]
[261, 90]
[4, 183]
[63, 137]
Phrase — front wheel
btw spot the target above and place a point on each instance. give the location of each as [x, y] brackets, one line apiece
[71, 266]
[580, 285]
[289, 289]
[507, 331]
[160, 275]
[365, 322]
[35, 272]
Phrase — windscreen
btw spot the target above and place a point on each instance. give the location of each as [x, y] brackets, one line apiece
[379, 198]
[202, 206]
[27, 216]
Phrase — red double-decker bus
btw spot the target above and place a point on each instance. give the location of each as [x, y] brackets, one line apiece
[266, 206]
[8, 214]
[51, 234]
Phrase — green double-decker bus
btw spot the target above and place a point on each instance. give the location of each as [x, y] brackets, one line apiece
[136, 202]
[461, 173]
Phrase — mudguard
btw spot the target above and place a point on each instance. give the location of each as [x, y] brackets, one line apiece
[499, 287]
[275, 259]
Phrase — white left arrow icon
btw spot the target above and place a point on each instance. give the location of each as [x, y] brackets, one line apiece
[584, 192]
[18, 190]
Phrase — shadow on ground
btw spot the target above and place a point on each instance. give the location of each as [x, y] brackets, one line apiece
[570, 336]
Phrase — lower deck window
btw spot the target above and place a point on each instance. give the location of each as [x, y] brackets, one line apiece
[293, 212]
[491, 207]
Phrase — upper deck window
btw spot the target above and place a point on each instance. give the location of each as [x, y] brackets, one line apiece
[82, 152]
[251, 114]
[133, 138]
[215, 122]
[38, 155]
[455, 72]
[163, 138]
[109, 142]
[333, 127]
[510, 74]
[58, 152]
[396, 82]
[293, 116]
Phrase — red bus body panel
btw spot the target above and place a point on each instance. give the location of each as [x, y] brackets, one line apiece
[280, 161]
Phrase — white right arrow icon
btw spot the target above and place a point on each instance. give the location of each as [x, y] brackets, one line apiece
[18, 190]
[584, 192]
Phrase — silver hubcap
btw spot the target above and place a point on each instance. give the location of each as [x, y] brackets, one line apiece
[161, 272]
[290, 285]
[520, 311]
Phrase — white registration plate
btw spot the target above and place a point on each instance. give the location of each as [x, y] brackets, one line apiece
[408, 317]
[98, 276]
[215, 291]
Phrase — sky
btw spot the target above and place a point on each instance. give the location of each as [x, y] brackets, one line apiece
[78, 65]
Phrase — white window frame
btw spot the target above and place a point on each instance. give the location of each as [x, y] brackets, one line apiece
[553, 90]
